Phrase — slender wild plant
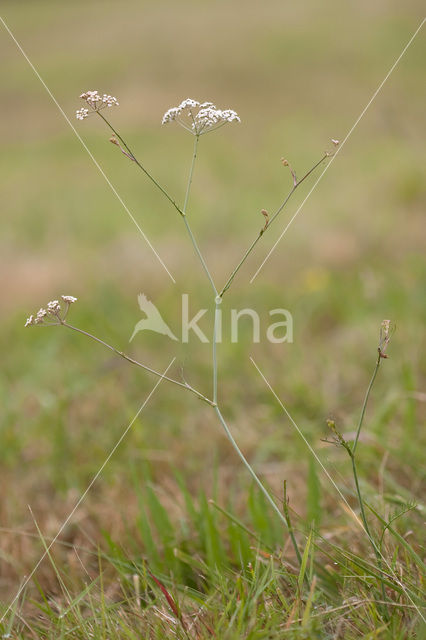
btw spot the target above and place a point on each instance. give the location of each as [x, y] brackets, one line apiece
[198, 119]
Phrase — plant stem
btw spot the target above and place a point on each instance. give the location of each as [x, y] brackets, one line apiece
[366, 527]
[140, 165]
[351, 451]
[248, 466]
[290, 525]
[184, 385]
[191, 173]
[364, 406]
[216, 315]
[185, 220]
[228, 433]
[218, 300]
[199, 254]
[276, 214]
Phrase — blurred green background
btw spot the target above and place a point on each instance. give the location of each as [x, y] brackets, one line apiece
[298, 74]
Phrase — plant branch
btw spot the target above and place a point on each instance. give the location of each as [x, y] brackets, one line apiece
[364, 406]
[248, 466]
[136, 161]
[296, 184]
[185, 220]
[183, 385]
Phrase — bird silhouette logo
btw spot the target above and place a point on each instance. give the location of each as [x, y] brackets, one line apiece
[153, 320]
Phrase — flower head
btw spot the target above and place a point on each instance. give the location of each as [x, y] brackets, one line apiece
[41, 314]
[95, 102]
[53, 308]
[199, 117]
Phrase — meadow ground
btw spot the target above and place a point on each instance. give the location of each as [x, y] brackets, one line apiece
[173, 540]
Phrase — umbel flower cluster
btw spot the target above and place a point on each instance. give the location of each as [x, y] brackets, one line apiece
[95, 102]
[199, 117]
[51, 313]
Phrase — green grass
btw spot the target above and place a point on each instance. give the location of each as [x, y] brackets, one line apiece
[172, 540]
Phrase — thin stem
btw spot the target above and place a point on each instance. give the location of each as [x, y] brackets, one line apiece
[216, 315]
[184, 385]
[351, 451]
[249, 467]
[191, 173]
[199, 254]
[364, 406]
[146, 172]
[361, 506]
[290, 525]
[366, 527]
[276, 214]
[225, 426]
[187, 225]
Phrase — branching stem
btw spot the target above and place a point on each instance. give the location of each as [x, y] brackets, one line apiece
[184, 385]
[140, 165]
[274, 217]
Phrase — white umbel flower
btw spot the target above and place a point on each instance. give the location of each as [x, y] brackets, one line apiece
[41, 314]
[95, 102]
[199, 118]
[82, 113]
[53, 307]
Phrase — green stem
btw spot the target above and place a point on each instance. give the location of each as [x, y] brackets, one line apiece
[216, 315]
[199, 254]
[273, 218]
[364, 406]
[351, 451]
[146, 172]
[228, 433]
[185, 220]
[184, 385]
[366, 527]
[248, 466]
[191, 173]
[290, 525]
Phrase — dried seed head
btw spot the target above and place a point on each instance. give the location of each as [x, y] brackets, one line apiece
[384, 339]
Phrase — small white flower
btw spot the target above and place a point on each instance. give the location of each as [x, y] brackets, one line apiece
[53, 307]
[30, 321]
[95, 102]
[189, 103]
[69, 299]
[199, 117]
[82, 113]
[41, 314]
[335, 142]
[109, 100]
[170, 115]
